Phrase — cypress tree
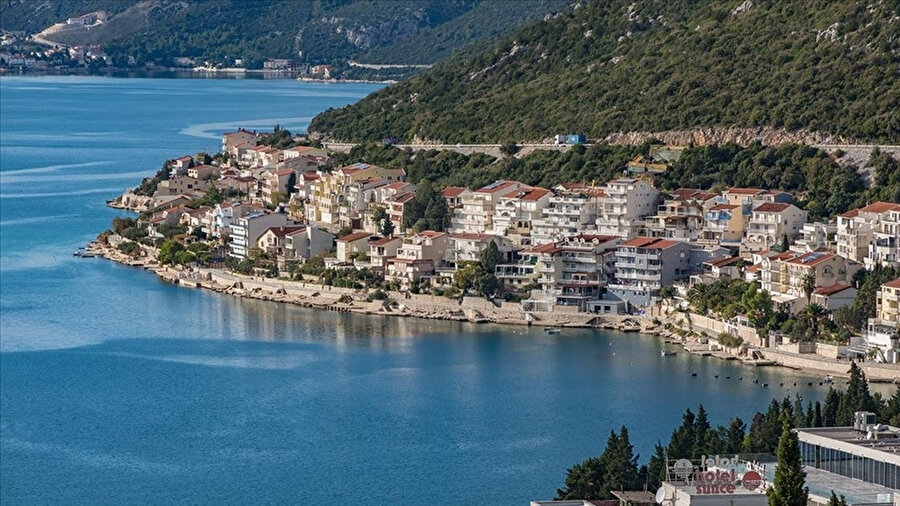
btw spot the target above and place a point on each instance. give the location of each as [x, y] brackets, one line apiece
[817, 415]
[788, 489]
[835, 501]
[734, 436]
[830, 409]
[681, 445]
[656, 468]
[701, 431]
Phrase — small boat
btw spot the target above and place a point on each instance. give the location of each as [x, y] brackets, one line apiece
[668, 353]
[551, 331]
[828, 379]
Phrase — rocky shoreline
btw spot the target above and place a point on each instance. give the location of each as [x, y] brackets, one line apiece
[313, 295]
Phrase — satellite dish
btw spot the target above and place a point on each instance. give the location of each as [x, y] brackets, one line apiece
[661, 496]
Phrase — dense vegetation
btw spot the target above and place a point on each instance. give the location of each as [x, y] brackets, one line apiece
[618, 468]
[820, 184]
[316, 31]
[617, 65]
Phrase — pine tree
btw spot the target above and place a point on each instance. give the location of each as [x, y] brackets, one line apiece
[835, 501]
[830, 408]
[701, 431]
[817, 415]
[799, 415]
[619, 463]
[656, 468]
[734, 436]
[583, 481]
[788, 488]
[681, 445]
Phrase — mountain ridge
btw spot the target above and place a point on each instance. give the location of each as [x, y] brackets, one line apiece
[827, 67]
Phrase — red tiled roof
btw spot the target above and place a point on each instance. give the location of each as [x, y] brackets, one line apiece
[453, 191]
[402, 199]
[470, 236]
[527, 194]
[431, 234]
[384, 240]
[830, 290]
[353, 237]
[650, 243]
[745, 191]
[284, 172]
[893, 284]
[397, 185]
[723, 207]
[549, 247]
[724, 262]
[850, 214]
[880, 207]
[752, 268]
[772, 207]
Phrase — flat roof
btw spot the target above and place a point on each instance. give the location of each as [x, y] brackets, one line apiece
[846, 439]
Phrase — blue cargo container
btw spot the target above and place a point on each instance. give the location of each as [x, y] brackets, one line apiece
[577, 139]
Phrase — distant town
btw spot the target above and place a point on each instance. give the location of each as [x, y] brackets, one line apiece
[622, 254]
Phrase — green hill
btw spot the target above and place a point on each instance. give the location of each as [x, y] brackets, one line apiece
[315, 31]
[616, 65]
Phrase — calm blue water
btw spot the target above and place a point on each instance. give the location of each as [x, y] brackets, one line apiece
[118, 388]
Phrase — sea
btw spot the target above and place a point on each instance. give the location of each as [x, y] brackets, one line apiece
[119, 388]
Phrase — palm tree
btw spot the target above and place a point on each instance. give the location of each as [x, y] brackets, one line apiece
[814, 314]
[808, 283]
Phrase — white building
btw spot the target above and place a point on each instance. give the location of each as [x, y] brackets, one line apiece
[624, 203]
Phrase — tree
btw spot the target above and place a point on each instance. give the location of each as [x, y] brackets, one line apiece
[785, 243]
[383, 221]
[583, 481]
[789, 485]
[168, 250]
[620, 469]
[835, 501]
[656, 468]
[681, 445]
[808, 283]
[490, 257]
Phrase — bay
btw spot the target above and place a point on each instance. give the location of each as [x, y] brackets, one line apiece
[116, 387]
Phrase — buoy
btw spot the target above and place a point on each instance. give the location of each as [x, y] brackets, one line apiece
[717, 376]
[765, 384]
[781, 384]
[728, 377]
[693, 374]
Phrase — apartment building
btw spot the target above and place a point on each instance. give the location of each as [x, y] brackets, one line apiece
[882, 331]
[624, 204]
[783, 275]
[418, 256]
[246, 230]
[770, 223]
[870, 234]
[646, 264]
[516, 212]
[476, 211]
[570, 210]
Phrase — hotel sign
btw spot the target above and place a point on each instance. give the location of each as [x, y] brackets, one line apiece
[717, 475]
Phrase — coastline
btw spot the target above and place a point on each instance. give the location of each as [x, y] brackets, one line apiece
[311, 294]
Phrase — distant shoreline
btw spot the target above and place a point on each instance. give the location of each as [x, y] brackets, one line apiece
[179, 73]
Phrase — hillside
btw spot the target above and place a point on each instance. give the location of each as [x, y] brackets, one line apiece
[616, 65]
[315, 31]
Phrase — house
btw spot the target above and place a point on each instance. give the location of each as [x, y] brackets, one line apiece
[572, 272]
[352, 244]
[834, 297]
[646, 264]
[204, 172]
[624, 203]
[246, 231]
[476, 212]
[453, 196]
[272, 241]
[180, 185]
[233, 142]
[304, 184]
[515, 212]
[724, 224]
[276, 181]
[380, 250]
[469, 247]
[784, 275]
[418, 256]
[570, 210]
[261, 156]
[246, 185]
[882, 331]
[180, 166]
[870, 234]
[754, 197]
[770, 223]
[337, 198]
[395, 206]
[307, 243]
[724, 267]
[278, 64]
[680, 217]
[815, 236]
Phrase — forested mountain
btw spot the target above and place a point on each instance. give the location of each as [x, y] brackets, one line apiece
[316, 31]
[605, 66]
